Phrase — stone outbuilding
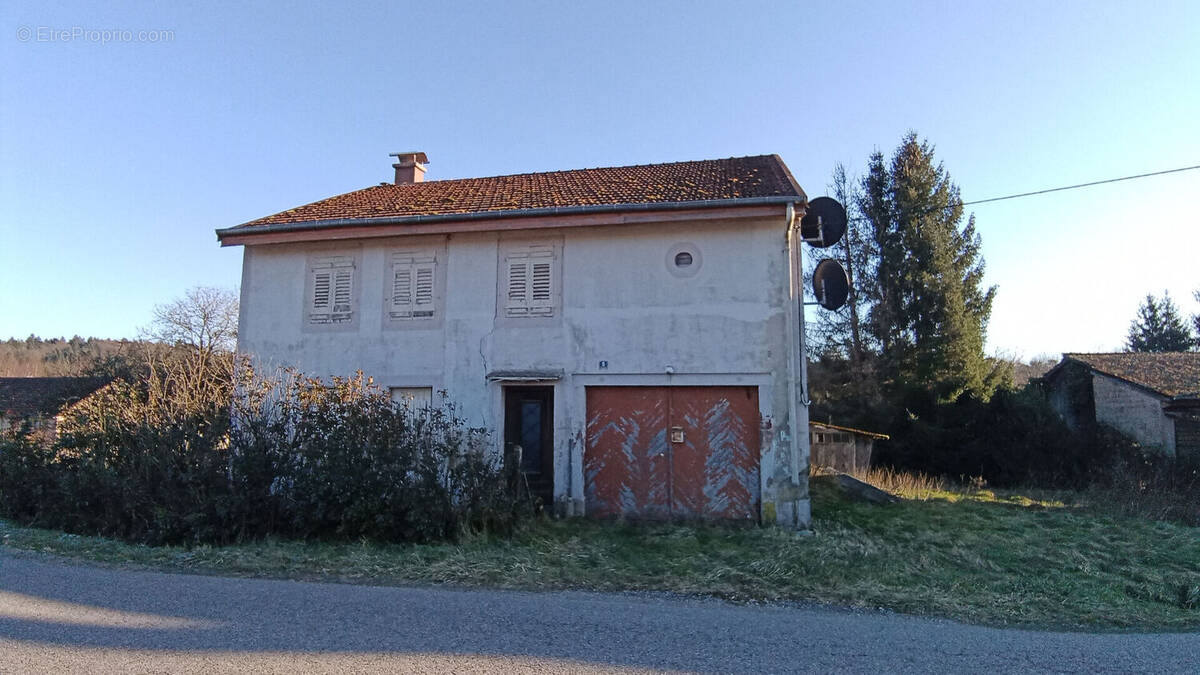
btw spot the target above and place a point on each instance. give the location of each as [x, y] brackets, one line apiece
[1152, 398]
[842, 448]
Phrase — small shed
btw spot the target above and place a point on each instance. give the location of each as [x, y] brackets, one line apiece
[842, 448]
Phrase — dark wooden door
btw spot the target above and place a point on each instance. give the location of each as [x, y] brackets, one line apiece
[529, 423]
[672, 452]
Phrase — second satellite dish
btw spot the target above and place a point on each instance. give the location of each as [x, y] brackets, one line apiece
[831, 284]
[824, 222]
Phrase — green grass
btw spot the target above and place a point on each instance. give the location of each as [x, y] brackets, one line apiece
[970, 554]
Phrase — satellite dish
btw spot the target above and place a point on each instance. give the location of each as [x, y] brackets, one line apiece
[831, 284]
[824, 222]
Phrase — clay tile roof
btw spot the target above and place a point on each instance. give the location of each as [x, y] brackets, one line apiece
[23, 397]
[1175, 374]
[706, 180]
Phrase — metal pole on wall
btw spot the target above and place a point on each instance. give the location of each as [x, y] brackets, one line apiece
[801, 515]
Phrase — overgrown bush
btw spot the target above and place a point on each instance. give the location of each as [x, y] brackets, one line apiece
[345, 461]
[166, 461]
[1147, 484]
[1017, 440]
[130, 462]
[28, 475]
[1014, 438]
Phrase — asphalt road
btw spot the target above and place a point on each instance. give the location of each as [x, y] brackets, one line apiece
[56, 616]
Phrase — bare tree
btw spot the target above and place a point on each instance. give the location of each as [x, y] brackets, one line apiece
[1196, 320]
[842, 331]
[191, 357]
[205, 318]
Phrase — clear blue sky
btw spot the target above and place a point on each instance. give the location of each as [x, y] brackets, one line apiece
[118, 160]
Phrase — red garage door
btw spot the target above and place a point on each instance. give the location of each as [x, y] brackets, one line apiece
[672, 452]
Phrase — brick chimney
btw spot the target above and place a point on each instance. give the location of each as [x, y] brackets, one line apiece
[410, 167]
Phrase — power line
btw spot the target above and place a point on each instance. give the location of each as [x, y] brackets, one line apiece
[1080, 185]
[1056, 189]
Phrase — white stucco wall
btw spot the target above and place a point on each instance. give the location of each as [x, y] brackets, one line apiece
[1133, 411]
[621, 303]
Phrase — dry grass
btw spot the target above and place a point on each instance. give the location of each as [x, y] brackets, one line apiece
[1163, 496]
[1169, 494]
[923, 487]
[1001, 558]
[916, 486]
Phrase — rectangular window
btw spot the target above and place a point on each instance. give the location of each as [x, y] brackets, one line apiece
[332, 296]
[531, 281]
[414, 286]
[414, 397]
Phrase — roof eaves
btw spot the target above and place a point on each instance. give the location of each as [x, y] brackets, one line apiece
[791, 179]
[247, 228]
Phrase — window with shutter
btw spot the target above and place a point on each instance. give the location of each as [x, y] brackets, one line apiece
[413, 398]
[414, 286]
[332, 299]
[531, 282]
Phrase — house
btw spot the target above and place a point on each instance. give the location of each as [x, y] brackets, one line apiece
[634, 329]
[842, 448]
[41, 401]
[1154, 398]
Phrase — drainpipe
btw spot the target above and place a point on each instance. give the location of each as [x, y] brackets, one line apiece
[797, 365]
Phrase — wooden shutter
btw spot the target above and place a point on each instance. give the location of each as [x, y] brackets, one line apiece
[423, 304]
[332, 299]
[531, 282]
[541, 289]
[343, 284]
[414, 290]
[402, 292]
[518, 287]
[322, 291]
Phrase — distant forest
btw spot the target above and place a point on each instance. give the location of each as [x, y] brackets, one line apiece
[78, 356]
[60, 357]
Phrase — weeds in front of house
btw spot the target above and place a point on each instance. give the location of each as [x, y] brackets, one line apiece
[168, 460]
[1132, 482]
[311, 475]
[979, 555]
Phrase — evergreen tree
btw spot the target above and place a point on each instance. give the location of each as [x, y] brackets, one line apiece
[1158, 328]
[930, 311]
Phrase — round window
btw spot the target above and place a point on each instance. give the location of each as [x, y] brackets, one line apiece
[684, 260]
